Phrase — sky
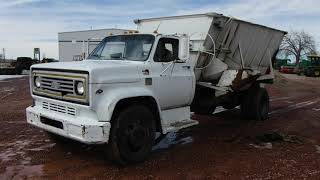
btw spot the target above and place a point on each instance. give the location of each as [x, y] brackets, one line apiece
[26, 24]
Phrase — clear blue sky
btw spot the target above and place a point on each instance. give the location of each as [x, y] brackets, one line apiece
[25, 24]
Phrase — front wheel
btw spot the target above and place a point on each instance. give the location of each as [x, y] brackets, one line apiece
[132, 135]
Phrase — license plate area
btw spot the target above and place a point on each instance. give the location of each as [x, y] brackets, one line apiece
[51, 122]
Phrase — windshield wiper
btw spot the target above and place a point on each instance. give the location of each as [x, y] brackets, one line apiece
[95, 55]
[98, 56]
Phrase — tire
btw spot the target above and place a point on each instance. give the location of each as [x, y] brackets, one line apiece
[132, 135]
[255, 104]
[19, 71]
[229, 106]
[317, 73]
[205, 110]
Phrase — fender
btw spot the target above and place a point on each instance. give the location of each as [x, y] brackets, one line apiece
[107, 101]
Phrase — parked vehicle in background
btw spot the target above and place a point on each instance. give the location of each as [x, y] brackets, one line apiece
[134, 85]
[303, 64]
[48, 60]
[287, 69]
[23, 63]
[314, 69]
[280, 62]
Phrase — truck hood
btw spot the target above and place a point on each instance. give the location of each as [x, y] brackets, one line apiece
[87, 65]
[101, 71]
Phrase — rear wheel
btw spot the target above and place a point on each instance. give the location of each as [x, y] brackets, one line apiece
[229, 106]
[317, 73]
[132, 135]
[205, 110]
[255, 104]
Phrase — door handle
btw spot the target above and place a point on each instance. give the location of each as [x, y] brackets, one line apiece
[186, 67]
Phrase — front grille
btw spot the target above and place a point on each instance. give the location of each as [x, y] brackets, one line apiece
[57, 84]
[59, 108]
[60, 85]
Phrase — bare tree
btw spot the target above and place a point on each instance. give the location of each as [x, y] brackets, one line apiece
[298, 44]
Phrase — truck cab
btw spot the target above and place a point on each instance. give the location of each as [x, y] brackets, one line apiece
[144, 76]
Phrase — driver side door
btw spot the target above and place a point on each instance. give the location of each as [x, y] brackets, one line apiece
[174, 82]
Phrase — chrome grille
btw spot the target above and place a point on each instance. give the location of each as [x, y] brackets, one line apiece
[57, 84]
[59, 108]
[60, 85]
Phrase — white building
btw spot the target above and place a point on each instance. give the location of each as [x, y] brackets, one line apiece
[76, 45]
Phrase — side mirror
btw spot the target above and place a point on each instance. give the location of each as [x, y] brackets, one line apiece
[184, 52]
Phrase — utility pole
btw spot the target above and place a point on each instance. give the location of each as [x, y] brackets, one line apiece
[36, 52]
[4, 54]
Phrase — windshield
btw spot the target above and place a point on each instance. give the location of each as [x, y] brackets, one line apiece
[124, 47]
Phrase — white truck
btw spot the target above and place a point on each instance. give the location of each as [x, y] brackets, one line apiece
[134, 85]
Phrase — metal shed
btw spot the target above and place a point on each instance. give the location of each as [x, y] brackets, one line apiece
[76, 45]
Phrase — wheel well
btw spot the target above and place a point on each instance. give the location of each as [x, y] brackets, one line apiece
[147, 101]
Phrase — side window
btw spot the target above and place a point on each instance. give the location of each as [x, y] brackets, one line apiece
[167, 50]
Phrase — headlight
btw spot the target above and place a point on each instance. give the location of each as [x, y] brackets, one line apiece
[79, 88]
[37, 82]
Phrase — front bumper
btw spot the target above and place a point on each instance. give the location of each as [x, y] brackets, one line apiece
[85, 130]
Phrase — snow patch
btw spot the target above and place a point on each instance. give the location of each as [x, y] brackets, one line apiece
[4, 77]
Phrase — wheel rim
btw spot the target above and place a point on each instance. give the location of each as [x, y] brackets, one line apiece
[317, 73]
[134, 136]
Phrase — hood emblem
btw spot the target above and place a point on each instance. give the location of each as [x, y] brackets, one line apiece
[55, 85]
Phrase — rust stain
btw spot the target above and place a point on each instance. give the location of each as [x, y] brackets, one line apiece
[238, 83]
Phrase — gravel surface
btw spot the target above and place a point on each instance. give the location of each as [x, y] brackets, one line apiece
[222, 146]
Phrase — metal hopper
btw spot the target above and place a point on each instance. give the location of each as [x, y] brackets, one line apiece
[222, 45]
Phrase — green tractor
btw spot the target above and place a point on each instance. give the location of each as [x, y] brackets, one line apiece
[314, 69]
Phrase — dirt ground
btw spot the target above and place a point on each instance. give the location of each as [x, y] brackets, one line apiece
[222, 146]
